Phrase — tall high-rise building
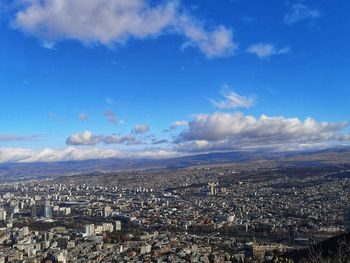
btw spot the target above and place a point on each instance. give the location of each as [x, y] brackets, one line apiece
[107, 211]
[118, 226]
[25, 231]
[2, 215]
[212, 188]
[47, 210]
[89, 230]
[34, 211]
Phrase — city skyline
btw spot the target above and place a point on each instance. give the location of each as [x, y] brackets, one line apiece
[167, 78]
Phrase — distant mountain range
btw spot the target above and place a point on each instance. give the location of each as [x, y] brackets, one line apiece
[17, 171]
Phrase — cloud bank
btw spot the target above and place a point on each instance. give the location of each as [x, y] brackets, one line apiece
[224, 131]
[22, 155]
[215, 132]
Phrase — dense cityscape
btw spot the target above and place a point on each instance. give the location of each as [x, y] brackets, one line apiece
[232, 213]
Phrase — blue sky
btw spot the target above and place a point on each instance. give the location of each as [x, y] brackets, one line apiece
[76, 78]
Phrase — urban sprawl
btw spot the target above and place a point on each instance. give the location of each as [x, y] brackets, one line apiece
[232, 213]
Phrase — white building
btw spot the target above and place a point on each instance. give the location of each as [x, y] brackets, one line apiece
[146, 249]
[108, 227]
[118, 225]
[2, 215]
[107, 211]
[89, 230]
[25, 231]
[62, 257]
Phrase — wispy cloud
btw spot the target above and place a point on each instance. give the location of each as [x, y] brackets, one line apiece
[232, 100]
[299, 11]
[158, 141]
[265, 51]
[111, 117]
[109, 101]
[141, 128]
[83, 117]
[49, 45]
[54, 117]
[248, 19]
[20, 138]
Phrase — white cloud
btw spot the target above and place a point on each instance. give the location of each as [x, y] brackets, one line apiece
[215, 43]
[8, 155]
[157, 154]
[236, 130]
[266, 50]
[194, 146]
[232, 100]
[84, 138]
[299, 12]
[22, 155]
[88, 138]
[205, 133]
[49, 45]
[141, 128]
[112, 22]
[177, 124]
